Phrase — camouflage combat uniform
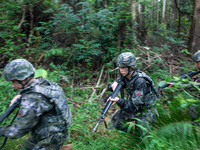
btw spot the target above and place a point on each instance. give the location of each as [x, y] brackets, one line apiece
[193, 109]
[44, 112]
[196, 59]
[142, 97]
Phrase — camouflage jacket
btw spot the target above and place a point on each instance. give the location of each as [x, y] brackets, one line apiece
[142, 93]
[44, 110]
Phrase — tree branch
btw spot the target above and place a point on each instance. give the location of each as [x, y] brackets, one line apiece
[23, 17]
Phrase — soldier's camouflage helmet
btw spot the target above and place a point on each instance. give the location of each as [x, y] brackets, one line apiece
[196, 56]
[18, 69]
[126, 59]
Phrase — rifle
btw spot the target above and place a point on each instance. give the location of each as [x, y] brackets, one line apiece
[190, 74]
[109, 103]
[10, 110]
[6, 114]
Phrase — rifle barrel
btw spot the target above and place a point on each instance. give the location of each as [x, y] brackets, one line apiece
[189, 74]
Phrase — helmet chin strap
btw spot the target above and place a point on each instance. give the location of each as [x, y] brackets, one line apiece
[23, 85]
[129, 70]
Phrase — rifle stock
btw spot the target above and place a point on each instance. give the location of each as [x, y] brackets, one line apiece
[10, 110]
[109, 103]
[190, 74]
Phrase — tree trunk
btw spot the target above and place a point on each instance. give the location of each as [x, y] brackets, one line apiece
[175, 12]
[179, 16]
[141, 28]
[133, 9]
[194, 41]
[163, 11]
[158, 8]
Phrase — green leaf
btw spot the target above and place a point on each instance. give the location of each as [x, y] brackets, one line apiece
[161, 83]
[185, 51]
[41, 72]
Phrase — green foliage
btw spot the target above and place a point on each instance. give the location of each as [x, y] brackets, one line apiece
[83, 31]
[82, 135]
[179, 136]
[60, 73]
[10, 36]
[41, 72]
[172, 130]
[78, 37]
[86, 50]
[92, 33]
[177, 126]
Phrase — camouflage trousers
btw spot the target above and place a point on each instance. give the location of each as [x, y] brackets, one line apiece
[143, 119]
[53, 142]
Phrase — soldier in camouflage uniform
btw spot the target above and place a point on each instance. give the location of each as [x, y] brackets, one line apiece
[44, 109]
[196, 59]
[142, 95]
[193, 108]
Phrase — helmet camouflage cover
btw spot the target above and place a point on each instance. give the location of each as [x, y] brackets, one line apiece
[196, 56]
[18, 69]
[126, 59]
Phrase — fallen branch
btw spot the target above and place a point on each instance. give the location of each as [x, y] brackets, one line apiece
[92, 87]
[72, 85]
[149, 60]
[100, 95]
[97, 85]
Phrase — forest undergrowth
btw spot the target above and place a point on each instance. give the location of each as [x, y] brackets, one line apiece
[86, 90]
[77, 42]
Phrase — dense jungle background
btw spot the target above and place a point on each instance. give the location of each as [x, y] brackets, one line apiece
[77, 41]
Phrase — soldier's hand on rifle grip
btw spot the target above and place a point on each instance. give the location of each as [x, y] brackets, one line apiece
[194, 78]
[114, 85]
[114, 100]
[14, 99]
[170, 84]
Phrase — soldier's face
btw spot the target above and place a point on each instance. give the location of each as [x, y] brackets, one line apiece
[16, 85]
[123, 71]
[198, 64]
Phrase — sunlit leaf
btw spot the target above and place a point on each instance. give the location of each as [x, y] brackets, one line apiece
[41, 72]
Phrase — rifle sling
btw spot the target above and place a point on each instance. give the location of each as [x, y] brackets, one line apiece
[116, 122]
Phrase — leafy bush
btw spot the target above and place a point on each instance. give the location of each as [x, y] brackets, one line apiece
[177, 126]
